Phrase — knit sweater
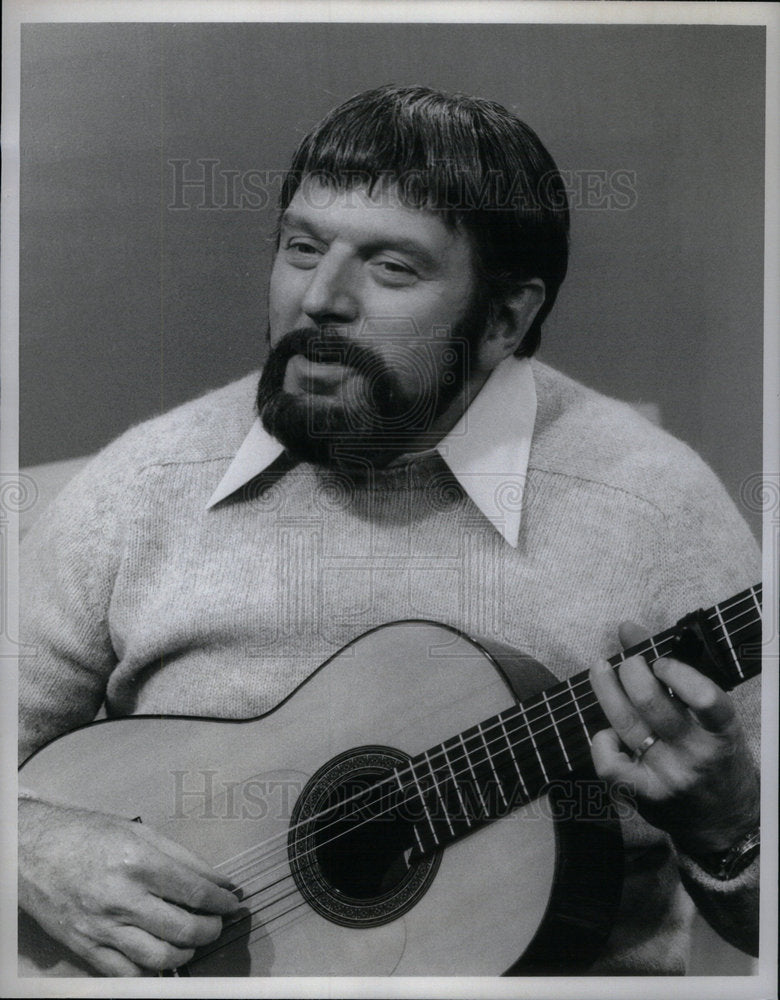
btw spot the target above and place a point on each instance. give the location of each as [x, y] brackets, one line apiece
[136, 595]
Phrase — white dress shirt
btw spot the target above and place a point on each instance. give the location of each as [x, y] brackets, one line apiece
[487, 450]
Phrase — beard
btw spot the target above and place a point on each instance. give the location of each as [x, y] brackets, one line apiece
[377, 414]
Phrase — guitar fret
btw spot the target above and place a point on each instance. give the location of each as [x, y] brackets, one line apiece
[670, 646]
[754, 595]
[728, 642]
[533, 742]
[492, 767]
[414, 825]
[438, 792]
[512, 754]
[557, 731]
[422, 802]
[654, 648]
[579, 713]
[456, 785]
[473, 774]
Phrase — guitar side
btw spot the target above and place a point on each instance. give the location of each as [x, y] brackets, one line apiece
[223, 788]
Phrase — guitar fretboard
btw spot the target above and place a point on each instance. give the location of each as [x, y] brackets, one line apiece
[512, 758]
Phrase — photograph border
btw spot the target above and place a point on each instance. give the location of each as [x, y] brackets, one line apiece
[16, 13]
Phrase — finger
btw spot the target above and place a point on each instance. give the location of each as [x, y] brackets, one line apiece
[632, 634]
[179, 884]
[711, 706]
[610, 760]
[616, 705]
[179, 927]
[148, 951]
[185, 857]
[107, 961]
[661, 715]
[113, 963]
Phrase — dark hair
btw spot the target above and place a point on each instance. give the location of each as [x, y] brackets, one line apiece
[471, 160]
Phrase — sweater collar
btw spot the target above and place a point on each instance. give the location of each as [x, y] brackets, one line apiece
[487, 450]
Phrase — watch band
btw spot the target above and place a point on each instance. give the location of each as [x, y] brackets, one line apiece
[729, 864]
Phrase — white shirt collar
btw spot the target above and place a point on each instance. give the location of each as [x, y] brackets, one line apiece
[487, 450]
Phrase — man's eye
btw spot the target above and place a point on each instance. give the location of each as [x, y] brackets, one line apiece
[302, 253]
[395, 271]
[304, 249]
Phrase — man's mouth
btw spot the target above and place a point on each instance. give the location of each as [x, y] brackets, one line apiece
[317, 378]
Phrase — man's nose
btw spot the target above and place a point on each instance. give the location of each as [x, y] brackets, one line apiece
[331, 296]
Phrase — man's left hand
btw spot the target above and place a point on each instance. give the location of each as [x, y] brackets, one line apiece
[696, 779]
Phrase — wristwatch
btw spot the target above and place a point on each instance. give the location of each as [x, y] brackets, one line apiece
[727, 865]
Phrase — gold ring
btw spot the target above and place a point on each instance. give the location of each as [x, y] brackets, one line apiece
[643, 747]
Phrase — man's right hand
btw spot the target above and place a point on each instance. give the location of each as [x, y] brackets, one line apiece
[117, 893]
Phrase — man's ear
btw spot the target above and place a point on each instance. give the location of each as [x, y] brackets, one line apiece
[511, 321]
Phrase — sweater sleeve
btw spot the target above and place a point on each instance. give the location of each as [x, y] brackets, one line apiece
[731, 908]
[68, 563]
[707, 556]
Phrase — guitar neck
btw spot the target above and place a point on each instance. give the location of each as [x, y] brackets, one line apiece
[509, 759]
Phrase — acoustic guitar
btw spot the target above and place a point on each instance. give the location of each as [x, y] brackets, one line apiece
[373, 827]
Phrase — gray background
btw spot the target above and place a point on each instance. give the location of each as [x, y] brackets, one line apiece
[130, 306]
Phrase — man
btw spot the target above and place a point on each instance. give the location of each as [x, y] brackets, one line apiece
[407, 460]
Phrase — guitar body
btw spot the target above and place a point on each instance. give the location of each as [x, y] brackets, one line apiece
[229, 791]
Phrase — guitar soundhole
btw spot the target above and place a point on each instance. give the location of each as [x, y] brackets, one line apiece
[349, 850]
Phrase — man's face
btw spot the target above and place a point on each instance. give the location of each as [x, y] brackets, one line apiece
[371, 313]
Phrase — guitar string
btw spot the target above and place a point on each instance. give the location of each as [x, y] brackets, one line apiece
[562, 694]
[641, 648]
[566, 692]
[224, 941]
[428, 789]
[275, 901]
[263, 929]
[431, 787]
[583, 683]
[280, 898]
